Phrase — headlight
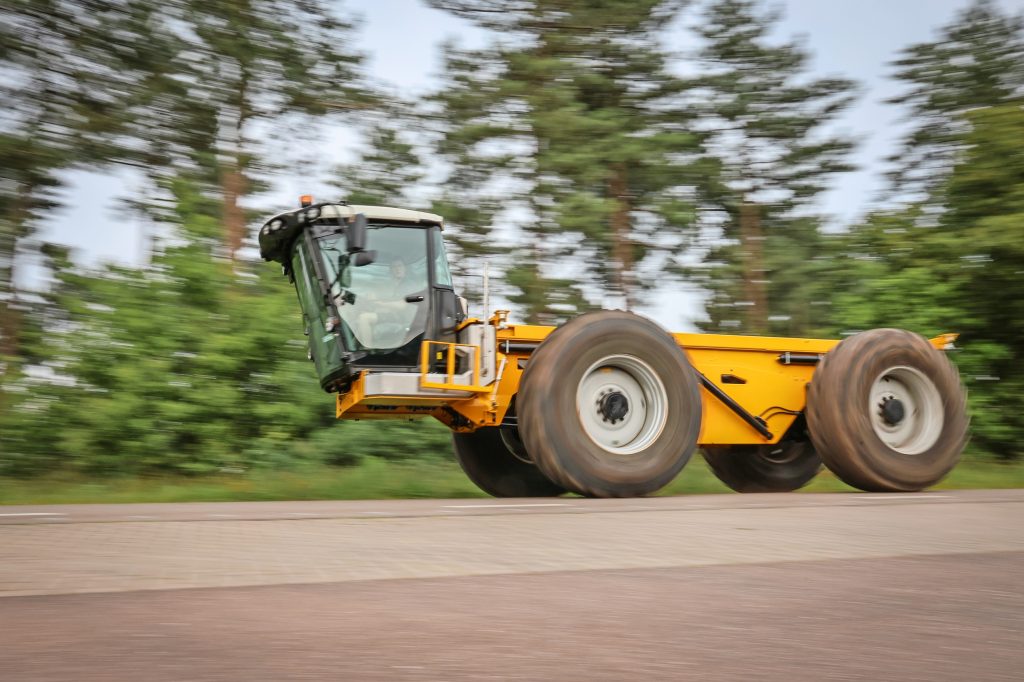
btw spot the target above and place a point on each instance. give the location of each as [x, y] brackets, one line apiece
[312, 213]
[276, 224]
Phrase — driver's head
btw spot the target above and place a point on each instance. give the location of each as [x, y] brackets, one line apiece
[397, 268]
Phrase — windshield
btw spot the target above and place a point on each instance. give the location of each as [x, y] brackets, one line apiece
[384, 304]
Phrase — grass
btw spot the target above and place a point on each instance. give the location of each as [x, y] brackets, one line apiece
[381, 479]
[372, 479]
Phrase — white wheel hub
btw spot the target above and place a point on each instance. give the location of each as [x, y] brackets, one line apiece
[622, 404]
[906, 410]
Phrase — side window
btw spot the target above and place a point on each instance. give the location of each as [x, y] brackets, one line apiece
[442, 275]
[303, 281]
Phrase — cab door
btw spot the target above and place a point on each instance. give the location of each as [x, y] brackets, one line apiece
[325, 350]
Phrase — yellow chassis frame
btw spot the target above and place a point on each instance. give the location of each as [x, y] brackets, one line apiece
[773, 391]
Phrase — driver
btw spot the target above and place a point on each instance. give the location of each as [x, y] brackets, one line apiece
[398, 287]
[388, 301]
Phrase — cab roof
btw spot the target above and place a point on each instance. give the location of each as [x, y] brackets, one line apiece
[377, 213]
[279, 230]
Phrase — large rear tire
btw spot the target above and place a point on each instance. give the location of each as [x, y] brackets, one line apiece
[787, 466]
[887, 412]
[609, 406]
[495, 469]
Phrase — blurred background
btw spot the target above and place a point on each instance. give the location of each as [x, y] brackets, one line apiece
[791, 168]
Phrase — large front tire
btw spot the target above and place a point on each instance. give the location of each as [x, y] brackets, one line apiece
[610, 406]
[494, 468]
[887, 412]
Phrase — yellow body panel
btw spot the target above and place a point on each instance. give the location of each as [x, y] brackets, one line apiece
[773, 391]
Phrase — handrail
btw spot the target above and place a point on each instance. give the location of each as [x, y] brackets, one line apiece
[450, 365]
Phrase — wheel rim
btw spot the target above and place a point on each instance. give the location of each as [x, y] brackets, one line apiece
[783, 452]
[622, 404]
[906, 410]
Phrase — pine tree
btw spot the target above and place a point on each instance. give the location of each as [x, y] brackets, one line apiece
[252, 62]
[473, 130]
[576, 116]
[765, 116]
[976, 61]
[387, 169]
[958, 273]
[28, 183]
[182, 367]
[68, 90]
[173, 88]
[950, 259]
[985, 203]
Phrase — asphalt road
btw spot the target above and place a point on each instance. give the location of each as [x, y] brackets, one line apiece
[724, 587]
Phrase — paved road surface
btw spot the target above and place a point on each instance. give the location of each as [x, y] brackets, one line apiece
[725, 587]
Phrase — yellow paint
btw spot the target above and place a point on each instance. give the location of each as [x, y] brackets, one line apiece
[354, 396]
[772, 390]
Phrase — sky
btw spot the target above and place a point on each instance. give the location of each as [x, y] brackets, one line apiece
[853, 38]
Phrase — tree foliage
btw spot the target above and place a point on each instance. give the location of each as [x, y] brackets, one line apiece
[65, 87]
[574, 118]
[187, 365]
[387, 169]
[976, 61]
[768, 123]
[961, 274]
[572, 155]
[952, 260]
[184, 367]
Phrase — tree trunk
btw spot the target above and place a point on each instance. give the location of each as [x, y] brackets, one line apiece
[536, 296]
[233, 180]
[754, 289]
[233, 187]
[622, 246]
[10, 316]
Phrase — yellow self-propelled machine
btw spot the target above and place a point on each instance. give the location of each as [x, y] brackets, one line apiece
[608, 404]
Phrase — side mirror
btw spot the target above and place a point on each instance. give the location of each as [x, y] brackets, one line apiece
[356, 234]
[364, 258]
